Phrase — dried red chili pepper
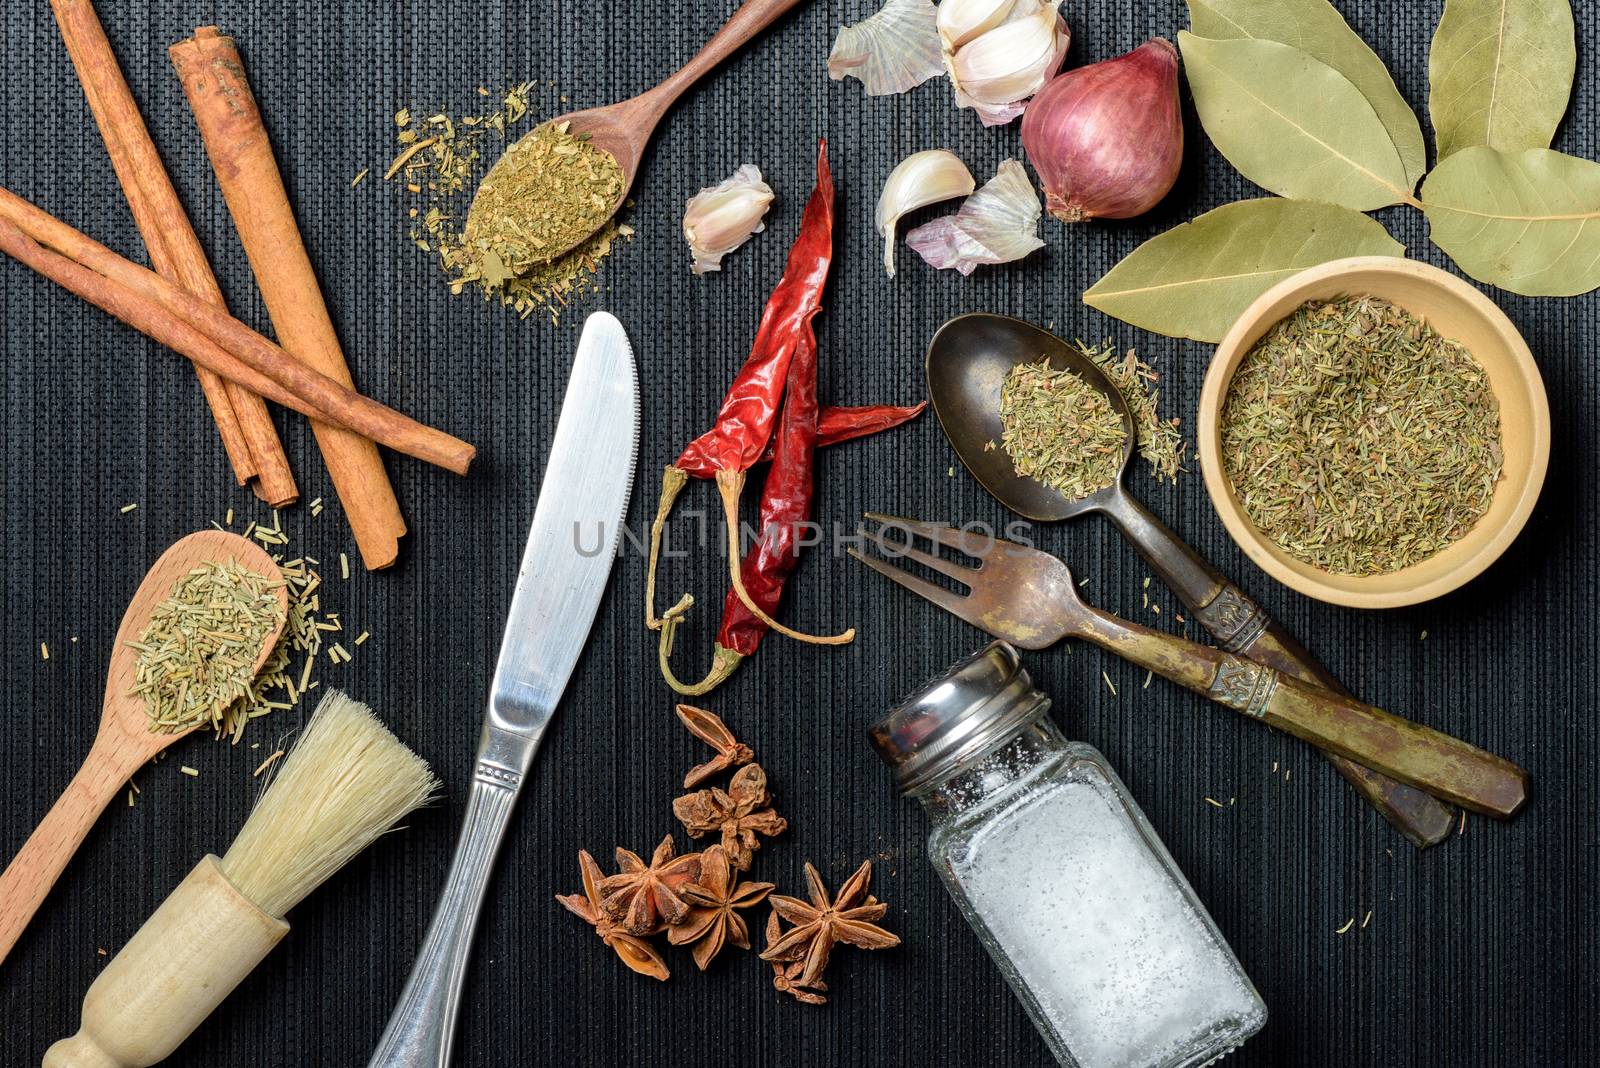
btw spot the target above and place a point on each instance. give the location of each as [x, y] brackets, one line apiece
[836, 426]
[744, 423]
[785, 508]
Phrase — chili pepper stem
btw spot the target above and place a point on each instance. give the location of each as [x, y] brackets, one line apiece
[673, 479]
[723, 659]
[730, 484]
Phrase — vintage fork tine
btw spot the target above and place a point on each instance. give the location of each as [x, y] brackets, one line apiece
[959, 572]
[954, 603]
[948, 537]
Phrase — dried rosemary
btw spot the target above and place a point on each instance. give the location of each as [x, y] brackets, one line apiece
[1358, 439]
[197, 655]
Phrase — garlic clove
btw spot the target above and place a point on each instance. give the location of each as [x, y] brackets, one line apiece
[720, 218]
[920, 179]
[997, 224]
[998, 71]
[895, 50]
[962, 20]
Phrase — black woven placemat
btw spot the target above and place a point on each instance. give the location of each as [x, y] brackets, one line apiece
[1481, 951]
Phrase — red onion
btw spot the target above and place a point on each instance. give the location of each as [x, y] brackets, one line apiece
[1107, 139]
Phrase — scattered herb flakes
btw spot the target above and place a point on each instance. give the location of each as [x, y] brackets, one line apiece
[1358, 439]
[1109, 685]
[193, 773]
[1366, 920]
[1159, 442]
[1351, 922]
[1214, 803]
[44, 651]
[358, 178]
[125, 509]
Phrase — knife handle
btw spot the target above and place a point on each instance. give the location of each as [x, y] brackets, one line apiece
[423, 1024]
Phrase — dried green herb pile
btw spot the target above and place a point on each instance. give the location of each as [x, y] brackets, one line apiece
[547, 190]
[1062, 431]
[1358, 439]
[197, 655]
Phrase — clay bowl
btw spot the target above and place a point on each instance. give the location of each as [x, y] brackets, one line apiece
[1455, 309]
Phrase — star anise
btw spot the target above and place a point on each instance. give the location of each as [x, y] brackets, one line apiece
[642, 898]
[712, 921]
[710, 729]
[825, 921]
[736, 812]
[785, 972]
[636, 953]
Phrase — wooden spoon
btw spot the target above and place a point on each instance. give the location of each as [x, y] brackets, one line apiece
[624, 129]
[124, 742]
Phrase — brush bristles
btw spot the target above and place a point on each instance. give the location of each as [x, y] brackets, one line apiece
[342, 785]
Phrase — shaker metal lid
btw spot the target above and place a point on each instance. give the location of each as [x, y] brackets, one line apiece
[970, 710]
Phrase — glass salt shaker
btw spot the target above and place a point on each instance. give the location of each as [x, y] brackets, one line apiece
[1058, 871]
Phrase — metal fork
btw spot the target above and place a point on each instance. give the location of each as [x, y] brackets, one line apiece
[1028, 598]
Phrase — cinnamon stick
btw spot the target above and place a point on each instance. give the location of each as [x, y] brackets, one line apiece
[248, 434]
[236, 140]
[207, 335]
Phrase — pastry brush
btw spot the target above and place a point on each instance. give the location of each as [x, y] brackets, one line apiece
[343, 784]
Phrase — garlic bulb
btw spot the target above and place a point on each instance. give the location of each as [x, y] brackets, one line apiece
[895, 50]
[922, 178]
[999, 55]
[997, 224]
[720, 218]
[962, 20]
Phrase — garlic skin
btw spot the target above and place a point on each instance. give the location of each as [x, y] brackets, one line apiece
[1107, 139]
[720, 218]
[893, 51]
[920, 179]
[997, 70]
[997, 224]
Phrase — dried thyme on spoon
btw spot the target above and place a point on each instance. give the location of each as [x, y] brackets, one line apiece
[1063, 432]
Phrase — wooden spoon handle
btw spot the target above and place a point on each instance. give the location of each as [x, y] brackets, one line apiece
[34, 870]
[752, 17]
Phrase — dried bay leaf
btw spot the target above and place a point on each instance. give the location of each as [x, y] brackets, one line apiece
[1500, 73]
[1317, 29]
[1292, 124]
[1195, 279]
[1526, 221]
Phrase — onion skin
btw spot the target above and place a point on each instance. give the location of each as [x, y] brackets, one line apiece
[1107, 139]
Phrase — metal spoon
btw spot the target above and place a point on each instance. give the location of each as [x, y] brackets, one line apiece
[624, 129]
[967, 362]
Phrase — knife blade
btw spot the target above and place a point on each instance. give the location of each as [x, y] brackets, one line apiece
[582, 505]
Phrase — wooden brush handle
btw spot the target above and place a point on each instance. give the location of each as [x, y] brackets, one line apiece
[36, 867]
[189, 955]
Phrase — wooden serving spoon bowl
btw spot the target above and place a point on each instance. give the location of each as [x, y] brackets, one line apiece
[624, 129]
[124, 743]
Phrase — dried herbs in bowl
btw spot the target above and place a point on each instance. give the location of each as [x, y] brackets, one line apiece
[1358, 439]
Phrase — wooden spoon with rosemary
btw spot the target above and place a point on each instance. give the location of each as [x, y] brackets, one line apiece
[126, 740]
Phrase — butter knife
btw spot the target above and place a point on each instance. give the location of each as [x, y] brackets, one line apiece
[563, 576]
